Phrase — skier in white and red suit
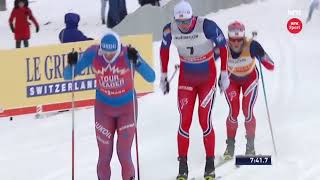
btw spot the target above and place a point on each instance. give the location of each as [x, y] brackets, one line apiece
[195, 38]
[244, 76]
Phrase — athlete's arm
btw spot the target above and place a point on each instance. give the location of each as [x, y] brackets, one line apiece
[214, 33]
[85, 61]
[257, 51]
[145, 70]
[165, 48]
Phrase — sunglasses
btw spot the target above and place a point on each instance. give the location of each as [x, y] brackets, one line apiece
[235, 40]
[183, 22]
[107, 53]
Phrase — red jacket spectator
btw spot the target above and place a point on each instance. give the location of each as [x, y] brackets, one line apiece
[19, 20]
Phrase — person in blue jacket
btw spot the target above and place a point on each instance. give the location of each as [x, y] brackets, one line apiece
[114, 66]
[71, 33]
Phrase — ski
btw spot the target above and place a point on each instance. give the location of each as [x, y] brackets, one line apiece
[219, 162]
[222, 161]
[47, 114]
[47, 23]
[216, 178]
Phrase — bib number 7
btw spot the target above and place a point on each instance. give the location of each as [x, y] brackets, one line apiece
[191, 50]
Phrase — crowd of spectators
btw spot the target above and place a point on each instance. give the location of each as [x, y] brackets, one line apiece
[21, 15]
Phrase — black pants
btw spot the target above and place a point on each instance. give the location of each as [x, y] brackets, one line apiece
[25, 43]
[117, 12]
[152, 2]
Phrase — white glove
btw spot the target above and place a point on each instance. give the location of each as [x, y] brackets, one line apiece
[224, 81]
[164, 84]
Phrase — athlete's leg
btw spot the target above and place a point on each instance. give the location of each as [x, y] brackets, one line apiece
[126, 132]
[206, 93]
[232, 96]
[186, 100]
[250, 93]
[105, 126]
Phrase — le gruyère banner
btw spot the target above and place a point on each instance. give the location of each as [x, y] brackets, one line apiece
[33, 76]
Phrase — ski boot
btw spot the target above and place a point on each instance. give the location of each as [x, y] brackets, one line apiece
[103, 21]
[209, 171]
[229, 153]
[183, 168]
[250, 147]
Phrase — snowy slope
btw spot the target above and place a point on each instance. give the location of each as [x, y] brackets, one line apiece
[40, 149]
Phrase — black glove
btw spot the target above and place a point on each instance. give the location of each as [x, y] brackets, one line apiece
[219, 83]
[132, 55]
[72, 58]
[37, 29]
[164, 85]
[12, 28]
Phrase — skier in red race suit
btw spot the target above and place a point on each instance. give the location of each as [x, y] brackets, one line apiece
[195, 38]
[244, 76]
[114, 66]
[19, 23]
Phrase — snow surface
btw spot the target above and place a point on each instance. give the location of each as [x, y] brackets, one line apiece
[40, 149]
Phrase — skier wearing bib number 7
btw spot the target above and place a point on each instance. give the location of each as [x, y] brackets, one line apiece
[195, 38]
[244, 76]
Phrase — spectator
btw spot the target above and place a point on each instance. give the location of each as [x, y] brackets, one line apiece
[71, 32]
[122, 9]
[314, 5]
[117, 12]
[19, 23]
[152, 2]
[103, 11]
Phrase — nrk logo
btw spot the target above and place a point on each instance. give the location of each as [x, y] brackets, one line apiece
[294, 25]
[295, 12]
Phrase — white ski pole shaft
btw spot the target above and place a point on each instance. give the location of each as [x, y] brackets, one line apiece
[254, 35]
[72, 111]
[135, 120]
[267, 109]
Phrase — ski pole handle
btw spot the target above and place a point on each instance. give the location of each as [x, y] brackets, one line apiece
[254, 34]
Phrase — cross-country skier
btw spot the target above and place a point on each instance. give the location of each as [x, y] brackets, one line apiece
[314, 5]
[195, 38]
[244, 76]
[113, 65]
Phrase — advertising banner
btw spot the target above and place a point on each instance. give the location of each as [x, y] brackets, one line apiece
[32, 78]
